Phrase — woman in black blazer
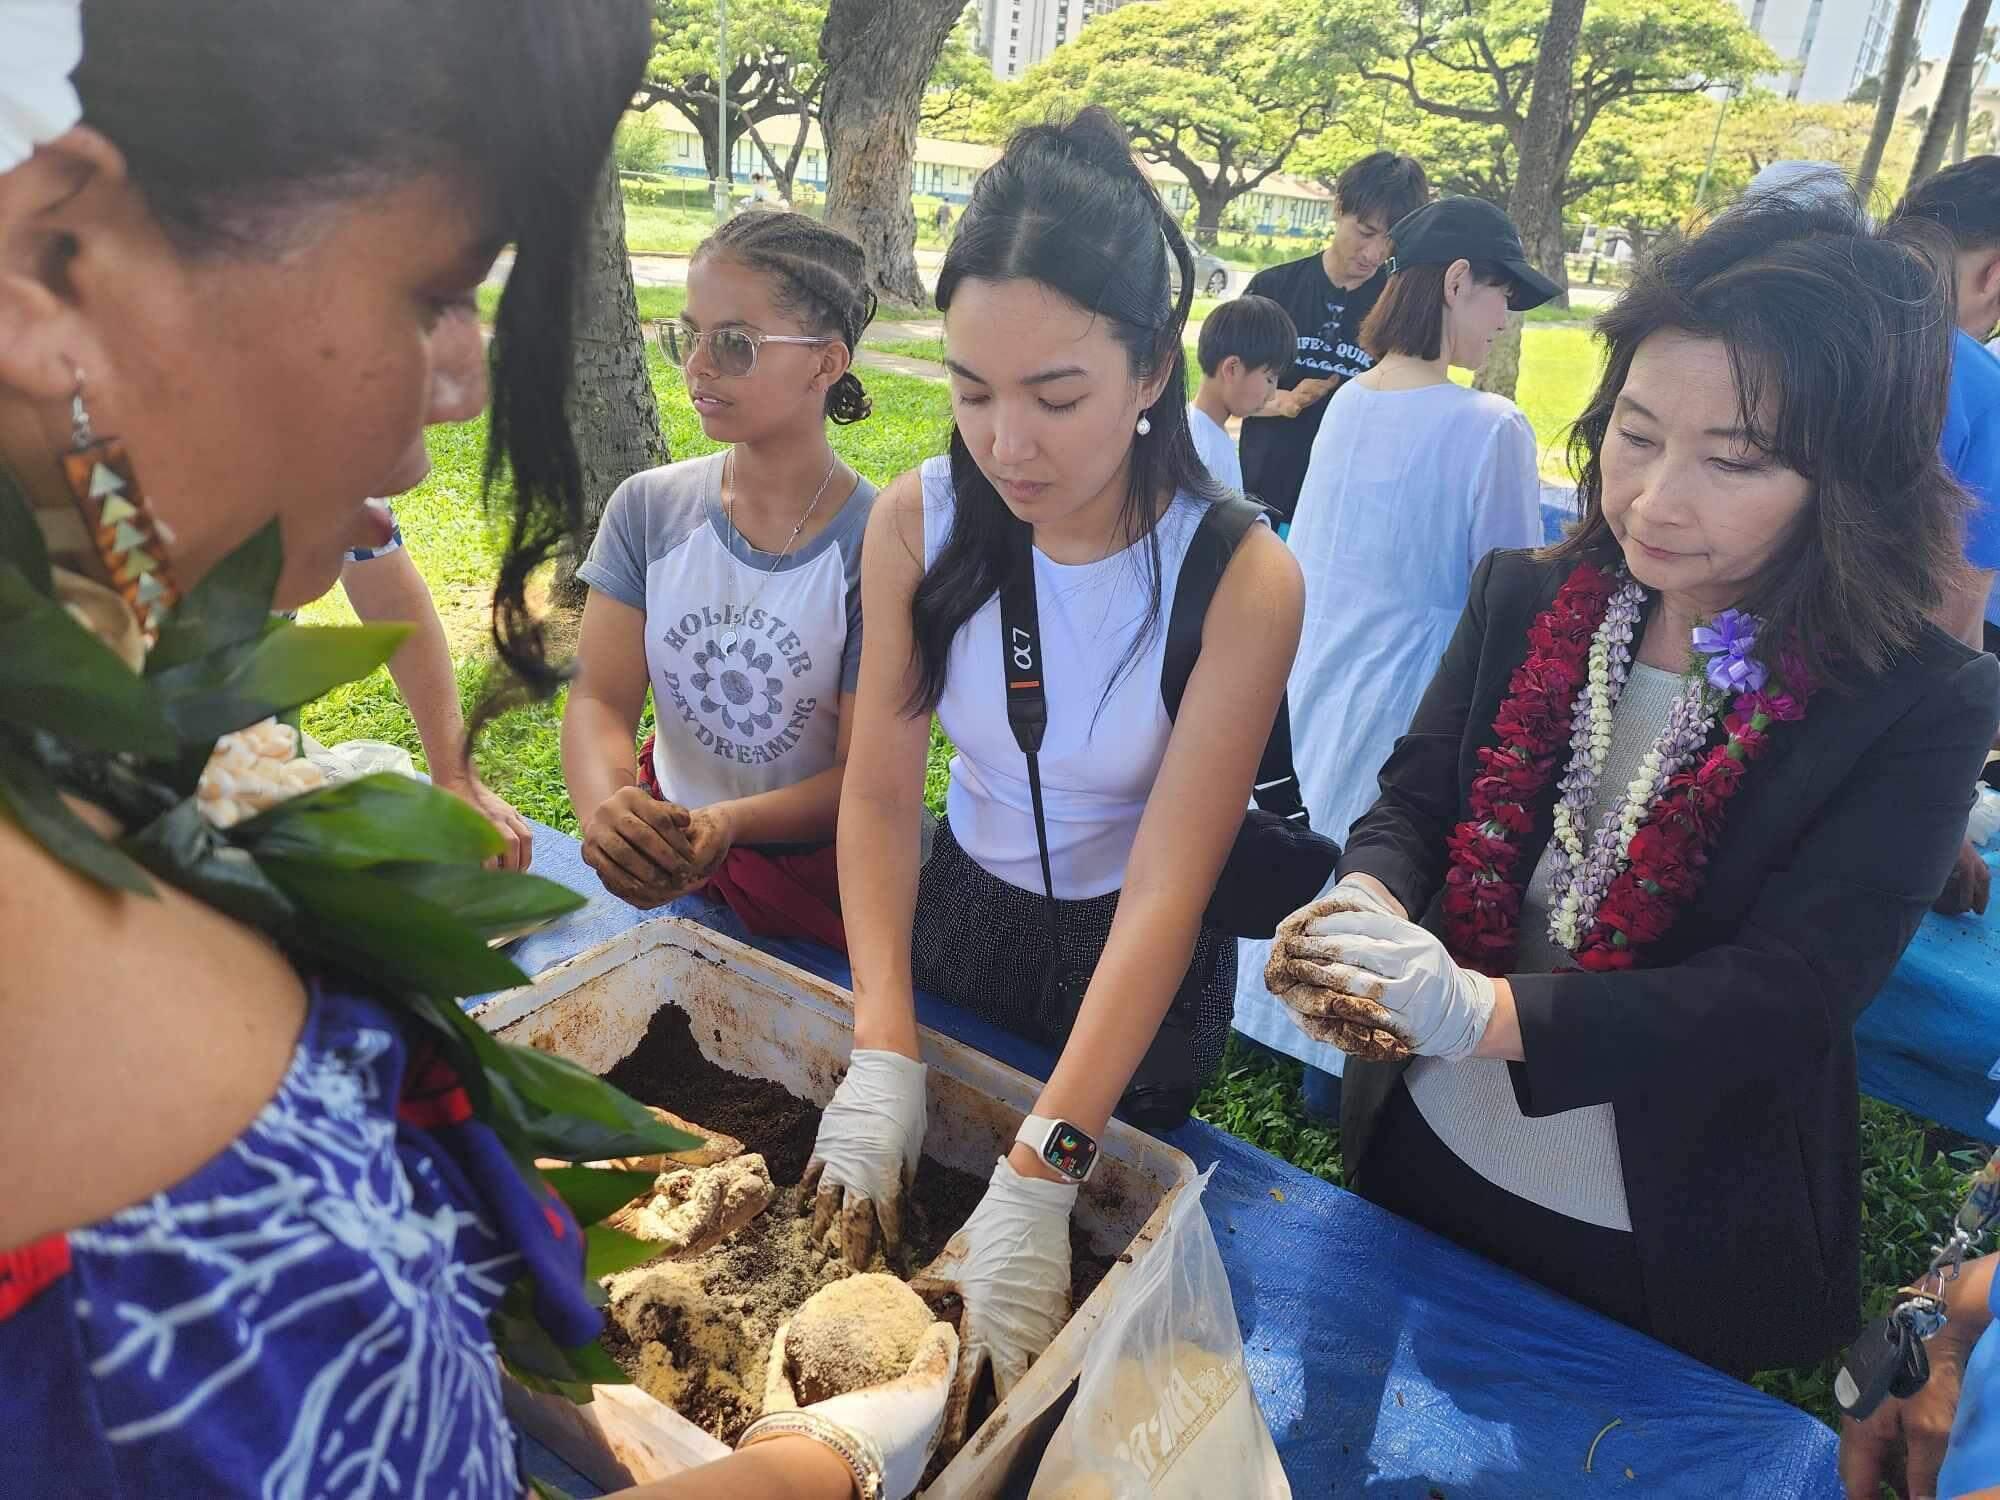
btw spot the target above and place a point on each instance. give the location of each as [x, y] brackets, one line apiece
[1673, 805]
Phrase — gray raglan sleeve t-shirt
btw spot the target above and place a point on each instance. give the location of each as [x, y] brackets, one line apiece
[748, 652]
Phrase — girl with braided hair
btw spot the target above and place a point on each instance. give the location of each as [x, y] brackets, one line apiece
[731, 586]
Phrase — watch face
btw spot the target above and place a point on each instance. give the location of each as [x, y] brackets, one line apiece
[1070, 1151]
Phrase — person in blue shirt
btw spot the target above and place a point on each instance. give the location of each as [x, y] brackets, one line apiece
[1963, 202]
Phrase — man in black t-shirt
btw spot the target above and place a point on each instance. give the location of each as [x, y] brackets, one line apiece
[1327, 295]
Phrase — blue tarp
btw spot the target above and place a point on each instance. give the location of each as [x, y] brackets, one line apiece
[1388, 1361]
[1931, 1039]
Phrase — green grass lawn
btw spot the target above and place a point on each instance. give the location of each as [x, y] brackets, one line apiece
[930, 349]
[671, 230]
[1558, 371]
[1911, 1173]
[656, 303]
[1559, 368]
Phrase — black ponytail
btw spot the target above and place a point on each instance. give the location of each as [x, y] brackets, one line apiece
[820, 277]
[1068, 207]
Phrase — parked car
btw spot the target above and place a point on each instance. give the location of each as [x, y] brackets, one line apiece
[1211, 274]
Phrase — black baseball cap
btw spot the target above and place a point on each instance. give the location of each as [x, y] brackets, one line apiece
[1469, 229]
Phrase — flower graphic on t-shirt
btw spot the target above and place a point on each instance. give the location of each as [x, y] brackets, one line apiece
[732, 680]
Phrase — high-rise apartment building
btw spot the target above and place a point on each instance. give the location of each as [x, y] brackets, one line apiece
[1014, 35]
[1825, 47]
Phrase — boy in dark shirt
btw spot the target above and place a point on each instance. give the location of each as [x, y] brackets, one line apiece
[1327, 296]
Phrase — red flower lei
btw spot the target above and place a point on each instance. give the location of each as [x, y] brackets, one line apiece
[1483, 883]
[1669, 854]
[1482, 897]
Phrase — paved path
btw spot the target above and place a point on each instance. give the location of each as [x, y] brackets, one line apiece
[922, 369]
[930, 328]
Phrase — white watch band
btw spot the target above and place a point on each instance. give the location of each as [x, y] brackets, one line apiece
[1034, 1134]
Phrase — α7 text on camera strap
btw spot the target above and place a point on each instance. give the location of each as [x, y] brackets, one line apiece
[1277, 863]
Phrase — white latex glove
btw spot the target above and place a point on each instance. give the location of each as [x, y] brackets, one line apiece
[1354, 891]
[1010, 1263]
[903, 1418]
[865, 1155]
[1352, 962]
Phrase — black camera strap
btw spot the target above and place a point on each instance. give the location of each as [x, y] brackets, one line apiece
[1027, 698]
[1222, 528]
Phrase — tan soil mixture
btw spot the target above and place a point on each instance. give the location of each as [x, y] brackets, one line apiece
[859, 1332]
[697, 1333]
[691, 1210]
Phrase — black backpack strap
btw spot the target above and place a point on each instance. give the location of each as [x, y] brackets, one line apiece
[1216, 538]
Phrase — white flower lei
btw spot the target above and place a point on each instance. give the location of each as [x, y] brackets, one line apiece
[1582, 866]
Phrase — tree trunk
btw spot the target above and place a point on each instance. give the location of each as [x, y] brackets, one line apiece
[1536, 202]
[878, 56]
[784, 169]
[701, 114]
[1210, 201]
[1895, 69]
[612, 410]
[1958, 131]
[1954, 95]
[781, 180]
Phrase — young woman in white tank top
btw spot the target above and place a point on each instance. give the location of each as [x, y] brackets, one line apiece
[1071, 433]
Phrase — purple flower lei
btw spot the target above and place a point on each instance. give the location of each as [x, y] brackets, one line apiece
[1579, 783]
[1689, 723]
[1722, 667]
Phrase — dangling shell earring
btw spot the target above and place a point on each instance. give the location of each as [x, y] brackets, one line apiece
[1145, 425]
[130, 539]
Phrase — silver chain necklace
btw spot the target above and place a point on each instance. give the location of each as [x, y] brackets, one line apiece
[730, 634]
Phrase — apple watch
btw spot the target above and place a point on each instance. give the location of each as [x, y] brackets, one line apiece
[1067, 1148]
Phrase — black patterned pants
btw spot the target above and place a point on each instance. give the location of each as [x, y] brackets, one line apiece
[984, 945]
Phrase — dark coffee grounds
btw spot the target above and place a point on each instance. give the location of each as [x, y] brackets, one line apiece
[698, 1334]
[667, 1069]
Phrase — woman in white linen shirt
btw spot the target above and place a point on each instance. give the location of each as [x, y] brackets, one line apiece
[1413, 480]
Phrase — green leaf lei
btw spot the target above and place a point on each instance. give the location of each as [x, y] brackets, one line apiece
[378, 880]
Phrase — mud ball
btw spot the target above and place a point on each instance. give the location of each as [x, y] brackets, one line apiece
[859, 1332]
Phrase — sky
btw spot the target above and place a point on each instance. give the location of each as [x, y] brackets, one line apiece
[1938, 27]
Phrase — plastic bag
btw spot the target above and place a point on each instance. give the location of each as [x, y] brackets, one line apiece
[1985, 819]
[352, 759]
[1164, 1409]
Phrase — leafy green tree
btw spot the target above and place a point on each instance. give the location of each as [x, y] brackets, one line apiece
[640, 144]
[1544, 74]
[774, 72]
[1222, 91]
[959, 99]
[1474, 61]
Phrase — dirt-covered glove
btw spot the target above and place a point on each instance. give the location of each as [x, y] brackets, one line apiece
[865, 1156]
[901, 1420]
[1010, 1264]
[1355, 965]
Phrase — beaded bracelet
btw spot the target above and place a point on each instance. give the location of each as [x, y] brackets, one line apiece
[858, 1452]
